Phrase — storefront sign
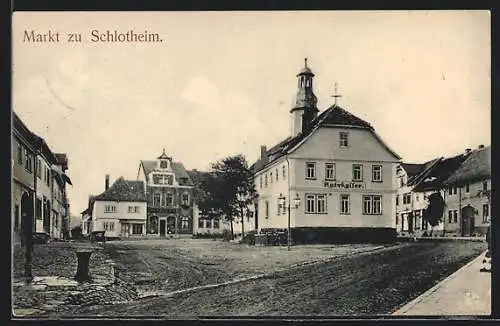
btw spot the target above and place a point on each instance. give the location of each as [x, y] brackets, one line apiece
[344, 185]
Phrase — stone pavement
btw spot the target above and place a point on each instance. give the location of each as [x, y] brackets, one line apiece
[466, 292]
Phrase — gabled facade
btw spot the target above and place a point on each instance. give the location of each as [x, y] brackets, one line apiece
[337, 166]
[169, 192]
[120, 210]
[468, 195]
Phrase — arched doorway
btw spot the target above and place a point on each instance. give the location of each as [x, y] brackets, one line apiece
[467, 221]
[152, 227]
[26, 215]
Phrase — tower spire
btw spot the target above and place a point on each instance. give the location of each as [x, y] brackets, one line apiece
[305, 62]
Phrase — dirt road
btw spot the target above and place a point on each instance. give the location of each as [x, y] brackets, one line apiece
[377, 282]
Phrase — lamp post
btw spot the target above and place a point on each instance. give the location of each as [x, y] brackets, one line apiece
[282, 202]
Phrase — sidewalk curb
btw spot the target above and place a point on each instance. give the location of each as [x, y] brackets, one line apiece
[420, 298]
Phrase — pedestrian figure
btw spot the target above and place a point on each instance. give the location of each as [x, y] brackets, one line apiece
[486, 267]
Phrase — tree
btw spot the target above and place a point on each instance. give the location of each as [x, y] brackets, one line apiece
[227, 190]
[433, 213]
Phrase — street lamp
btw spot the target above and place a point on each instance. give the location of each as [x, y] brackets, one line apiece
[296, 203]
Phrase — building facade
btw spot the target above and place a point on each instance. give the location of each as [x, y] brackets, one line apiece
[468, 196]
[333, 171]
[120, 211]
[169, 192]
[35, 170]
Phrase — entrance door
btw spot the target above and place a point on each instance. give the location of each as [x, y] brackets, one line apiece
[467, 219]
[163, 227]
[410, 223]
[27, 217]
[125, 231]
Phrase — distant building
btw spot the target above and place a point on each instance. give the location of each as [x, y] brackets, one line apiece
[169, 192]
[35, 170]
[416, 183]
[337, 166]
[205, 226]
[120, 210]
[468, 195]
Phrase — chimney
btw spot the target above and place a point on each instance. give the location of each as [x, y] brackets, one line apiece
[106, 184]
[480, 146]
[263, 150]
[467, 150]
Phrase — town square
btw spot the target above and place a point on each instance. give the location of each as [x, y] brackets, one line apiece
[252, 164]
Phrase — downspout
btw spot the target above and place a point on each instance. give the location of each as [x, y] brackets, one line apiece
[460, 210]
[289, 237]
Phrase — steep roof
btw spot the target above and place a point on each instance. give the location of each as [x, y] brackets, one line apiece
[419, 172]
[441, 170]
[475, 168]
[412, 169]
[124, 190]
[333, 116]
[177, 168]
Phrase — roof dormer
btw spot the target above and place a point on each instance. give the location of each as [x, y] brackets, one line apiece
[164, 161]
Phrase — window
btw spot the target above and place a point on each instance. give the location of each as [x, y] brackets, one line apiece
[357, 172]
[316, 204]
[377, 173]
[136, 209]
[216, 223]
[321, 204]
[486, 212]
[156, 199]
[185, 199]
[169, 199]
[277, 174]
[310, 170]
[19, 155]
[200, 223]
[39, 169]
[284, 172]
[455, 190]
[265, 180]
[108, 226]
[29, 161]
[344, 204]
[260, 182]
[271, 177]
[450, 216]
[47, 176]
[397, 200]
[163, 164]
[208, 224]
[344, 139]
[372, 205]
[450, 191]
[136, 228]
[467, 188]
[310, 207]
[109, 209]
[455, 216]
[485, 185]
[184, 222]
[131, 209]
[406, 198]
[267, 209]
[330, 171]
[401, 182]
[278, 208]
[417, 197]
[397, 218]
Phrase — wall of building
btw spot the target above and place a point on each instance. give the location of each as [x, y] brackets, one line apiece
[120, 216]
[474, 197]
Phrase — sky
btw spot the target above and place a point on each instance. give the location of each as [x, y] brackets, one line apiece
[222, 83]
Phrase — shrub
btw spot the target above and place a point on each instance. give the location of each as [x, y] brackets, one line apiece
[249, 238]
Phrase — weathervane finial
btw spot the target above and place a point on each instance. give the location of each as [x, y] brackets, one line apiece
[305, 62]
[336, 95]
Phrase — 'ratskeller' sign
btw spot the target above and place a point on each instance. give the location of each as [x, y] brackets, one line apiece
[344, 185]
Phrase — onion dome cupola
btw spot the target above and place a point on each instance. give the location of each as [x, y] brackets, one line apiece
[305, 109]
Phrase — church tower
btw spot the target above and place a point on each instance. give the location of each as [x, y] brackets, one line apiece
[305, 109]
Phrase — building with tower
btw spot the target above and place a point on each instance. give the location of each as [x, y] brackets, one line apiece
[332, 179]
[169, 192]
